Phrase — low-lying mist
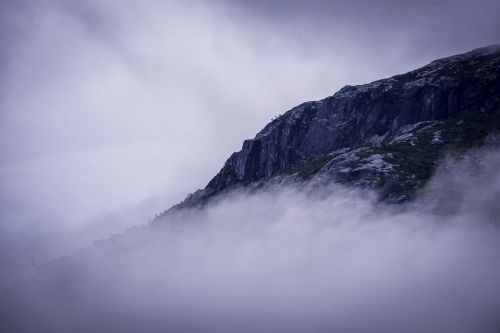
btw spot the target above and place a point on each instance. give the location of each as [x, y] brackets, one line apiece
[296, 259]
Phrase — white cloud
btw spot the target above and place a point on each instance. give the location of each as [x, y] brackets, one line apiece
[120, 106]
[288, 259]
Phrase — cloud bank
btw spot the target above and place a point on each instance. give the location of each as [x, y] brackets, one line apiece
[290, 259]
[113, 110]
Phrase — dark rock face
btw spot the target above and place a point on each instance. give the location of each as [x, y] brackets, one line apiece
[392, 115]
[444, 89]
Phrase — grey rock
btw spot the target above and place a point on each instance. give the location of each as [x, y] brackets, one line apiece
[411, 111]
[443, 89]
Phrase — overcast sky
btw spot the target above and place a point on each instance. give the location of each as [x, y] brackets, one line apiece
[113, 110]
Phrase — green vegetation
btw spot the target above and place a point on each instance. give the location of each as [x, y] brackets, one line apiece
[311, 167]
[412, 163]
[367, 152]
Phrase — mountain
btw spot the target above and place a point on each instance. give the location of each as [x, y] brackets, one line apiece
[388, 135]
[202, 272]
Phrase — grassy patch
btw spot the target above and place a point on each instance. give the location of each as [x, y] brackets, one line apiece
[311, 167]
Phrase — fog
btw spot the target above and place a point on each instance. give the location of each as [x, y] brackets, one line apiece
[112, 111]
[310, 258]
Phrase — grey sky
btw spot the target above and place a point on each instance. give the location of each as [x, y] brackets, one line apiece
[115, 106]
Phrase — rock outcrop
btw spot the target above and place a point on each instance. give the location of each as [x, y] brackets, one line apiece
[388, 134]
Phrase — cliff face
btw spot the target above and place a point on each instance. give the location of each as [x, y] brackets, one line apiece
[361, 134]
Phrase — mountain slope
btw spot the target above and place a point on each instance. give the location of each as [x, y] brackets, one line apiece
[387, 135]
[203, 272]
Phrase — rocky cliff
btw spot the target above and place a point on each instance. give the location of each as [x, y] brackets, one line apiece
[387, 135]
